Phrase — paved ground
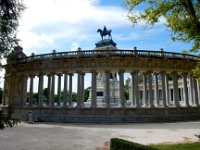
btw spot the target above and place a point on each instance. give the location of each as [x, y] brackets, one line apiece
[90, 136]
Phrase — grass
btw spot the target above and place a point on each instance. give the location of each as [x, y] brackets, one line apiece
[182, 146]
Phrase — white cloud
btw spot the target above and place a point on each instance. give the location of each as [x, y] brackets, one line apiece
[45, 23]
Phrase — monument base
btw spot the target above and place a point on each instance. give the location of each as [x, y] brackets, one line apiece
[105, 43]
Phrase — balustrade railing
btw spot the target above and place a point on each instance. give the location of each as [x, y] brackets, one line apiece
[107, 53]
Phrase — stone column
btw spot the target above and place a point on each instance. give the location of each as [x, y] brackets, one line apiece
[185, 90]
[136, 89]
[175, 90]
[167, 89]
[133, 103]
[107, 89]
[49, 90]
[150, 94]
[195, 92]
[94, 90]
[121, 89]
[145, 100]
[156, 89]
[79, 83]
[198, 88]
[53, 90]
[163, 89]
[59, 89]
[82, 89]
[70, 90]
[40, 90]
[25, 90]
[31, 90]
[65, 90]
[22, 92]
[191, 89]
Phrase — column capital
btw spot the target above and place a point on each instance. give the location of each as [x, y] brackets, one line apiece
[162, 72]
[156, 73]
[174, 73]
[134, 71]
[32, 75]
[107, 71]
[121, 71]
[52, 73]
[59, 74]
[184, 73]
[65, 72]
[71, 74]
[149, 71]
[144, 73]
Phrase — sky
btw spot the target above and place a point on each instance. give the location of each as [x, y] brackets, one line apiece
[65, 25]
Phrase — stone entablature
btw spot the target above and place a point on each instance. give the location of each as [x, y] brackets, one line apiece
[102, 60]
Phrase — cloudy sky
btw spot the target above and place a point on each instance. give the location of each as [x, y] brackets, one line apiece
[65, 25]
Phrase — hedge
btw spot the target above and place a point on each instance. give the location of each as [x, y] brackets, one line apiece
[120, 144]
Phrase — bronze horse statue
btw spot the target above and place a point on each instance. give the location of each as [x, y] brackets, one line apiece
[104, 32]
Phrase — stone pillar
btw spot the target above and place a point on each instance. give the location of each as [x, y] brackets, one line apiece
[25, 90]
[175, 90]
[49, 90]
[191, 89]
[59, 89]
[70, 90]
[167, 89]
[145, 100]
[198, 88]
[121, 89]
[65, 90]
[185, 90]
[195, 92]
[5, 89]
[53, 90]
[135, 92]
[31, 90]
[107, 89]
[94, 90]
[133, 102]
[79, 83]
[40, 90]
[163, 89]
[82, 89]
[150, 94]
[156, 89]
[22, 91]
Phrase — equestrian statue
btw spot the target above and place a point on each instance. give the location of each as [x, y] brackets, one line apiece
[105, 32]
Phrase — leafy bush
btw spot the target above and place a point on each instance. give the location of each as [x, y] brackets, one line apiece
[120, 144]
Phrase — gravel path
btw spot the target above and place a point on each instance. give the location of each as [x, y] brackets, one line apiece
[48, 136]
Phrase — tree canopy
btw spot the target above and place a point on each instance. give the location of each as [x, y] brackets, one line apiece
[10, 11]
[181, 16]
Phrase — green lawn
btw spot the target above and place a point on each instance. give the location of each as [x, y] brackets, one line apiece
[185, 146]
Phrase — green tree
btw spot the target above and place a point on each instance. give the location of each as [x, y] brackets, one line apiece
[182, 17]
[126, 88]
[10, 11]
[86, 94]
[74, 97]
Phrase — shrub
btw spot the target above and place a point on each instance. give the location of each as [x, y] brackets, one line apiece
[120, 144]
